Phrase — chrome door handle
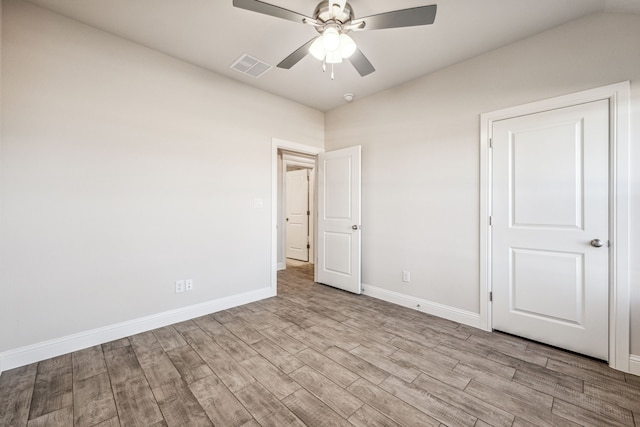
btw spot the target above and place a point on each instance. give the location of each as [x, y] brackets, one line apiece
[355, 227]
[597, 243]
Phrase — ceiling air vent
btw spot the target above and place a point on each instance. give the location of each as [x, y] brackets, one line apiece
[250, 66]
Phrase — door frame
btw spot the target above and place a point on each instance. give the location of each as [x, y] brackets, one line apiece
[619, 201]
[281, 144]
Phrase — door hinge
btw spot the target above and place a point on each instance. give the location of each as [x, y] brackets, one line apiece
[490, 142]
[490, 221]
[491, 296]
[308, 213]
[308, 246]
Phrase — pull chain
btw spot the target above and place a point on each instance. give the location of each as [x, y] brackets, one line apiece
[324, 68]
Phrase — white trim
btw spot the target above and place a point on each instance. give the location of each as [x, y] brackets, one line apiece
[634, 364]
[56, 347]
[282, 266]
[296, 159]
[444, 311]
[281, 144]
[304, 165]
[619, 308]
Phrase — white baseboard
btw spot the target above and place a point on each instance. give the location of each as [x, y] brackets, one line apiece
[450, 313]
[44, 350]
[634, 364]
[282, 266]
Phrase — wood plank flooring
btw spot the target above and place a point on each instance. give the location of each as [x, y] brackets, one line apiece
[318, 356]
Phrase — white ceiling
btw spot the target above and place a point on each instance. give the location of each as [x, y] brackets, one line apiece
[213, 34]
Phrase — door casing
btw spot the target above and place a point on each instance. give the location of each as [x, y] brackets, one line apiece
[281, 144]
[618, 96]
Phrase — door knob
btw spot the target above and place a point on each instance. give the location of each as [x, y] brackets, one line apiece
[597, 243]
[354, 227]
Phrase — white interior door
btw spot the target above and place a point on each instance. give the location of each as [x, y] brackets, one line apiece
[339, 238]
[297, 214]
[550, 214]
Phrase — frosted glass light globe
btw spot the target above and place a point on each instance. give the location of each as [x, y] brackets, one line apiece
[331, 39]
[347, 46]
[317, 49]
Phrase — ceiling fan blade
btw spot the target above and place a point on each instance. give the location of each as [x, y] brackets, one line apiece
[296, 56]
[361, 63]
[423, 15]
[271, 10]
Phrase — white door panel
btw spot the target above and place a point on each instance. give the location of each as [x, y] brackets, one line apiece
[550, 199]
[337, 187]
[339, 232]
[337, 252]
[537, 174]
[561, 278]
[297, 218]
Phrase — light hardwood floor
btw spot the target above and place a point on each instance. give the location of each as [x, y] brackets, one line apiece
[318, 356]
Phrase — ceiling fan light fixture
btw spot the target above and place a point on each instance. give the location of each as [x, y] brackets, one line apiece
[333, 19]
[331, 39]
[347, 46]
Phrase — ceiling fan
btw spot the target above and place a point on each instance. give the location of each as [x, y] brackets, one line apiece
[334, 19]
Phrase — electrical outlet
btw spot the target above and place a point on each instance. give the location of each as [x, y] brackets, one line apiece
[179, 286]
[188, 285]
[406, 276]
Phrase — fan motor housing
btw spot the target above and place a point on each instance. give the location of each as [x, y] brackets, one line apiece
[324, 14]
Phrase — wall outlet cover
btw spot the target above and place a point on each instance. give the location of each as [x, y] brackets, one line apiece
[179, 286]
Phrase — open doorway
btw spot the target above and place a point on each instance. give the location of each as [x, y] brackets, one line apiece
[337, 254]
[305, 155]
[296, 209]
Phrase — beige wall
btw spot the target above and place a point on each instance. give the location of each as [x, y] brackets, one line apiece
[421, 153]
[121, 171]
